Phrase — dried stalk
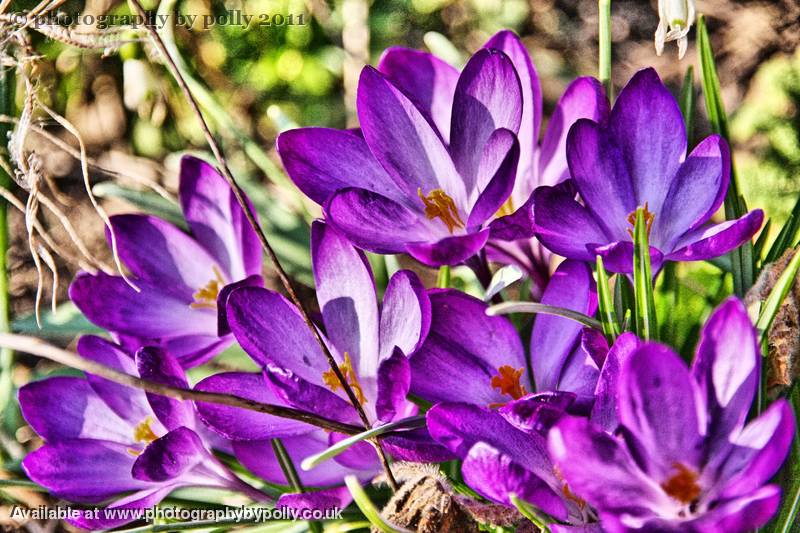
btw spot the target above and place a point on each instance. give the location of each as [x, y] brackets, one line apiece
[239, 194]
[32, 345]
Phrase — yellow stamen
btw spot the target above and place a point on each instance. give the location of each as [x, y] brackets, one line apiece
[506, 209]
[508, 381]
[683, 485]
[439, 205]
[143, 433]
[206, 297]
[648, 220]
[346, 368]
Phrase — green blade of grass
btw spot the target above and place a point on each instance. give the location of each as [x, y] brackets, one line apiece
[773, 303]
[644, 301]
[7, 107]
[604, 59]
[532, 307]
[290, 472]
[787, 236]
[605, 303]
[687, 103]
[443, 277]
[368, 508]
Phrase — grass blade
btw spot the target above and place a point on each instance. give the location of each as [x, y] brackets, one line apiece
[290, 472]
[506, 308]
[644, 301]
[443, 277]
[687, 103]
[773, 303]
[604, 60]
[605, 303]
[787, 237]
[7, 107]
[368, 508]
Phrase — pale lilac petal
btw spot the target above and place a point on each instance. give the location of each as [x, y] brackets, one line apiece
[605, 409]
[405, 314]
[496, 173]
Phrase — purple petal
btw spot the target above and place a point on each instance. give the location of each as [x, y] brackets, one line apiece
[450, 250]
[394, 380]
[647, 125]
[403, 141]
[583, 98]
[496, 174]
[170, 456]
[579, 376]
[565, 226]
[618, 257]
[599, 170]
[660, 405]
[416, 446]
[223, 328]
[741, 514]
[605, 411]
[83, 470]
[528, 134]
[697, 191]
[296, 391]
[271, 330]
[63, 408]
[321, 161]
[495, 475]
[335, 498]
[346, 296]
[242, 424]
[514, 227]
[158, 365]
[554, 338]
[726, 367]
[217, 220]
[116, 515]
[428, 81]
[591, 461]
[454, 366]
[488, 97]
[405, 314]
[376, 223]
[128, 403]
[717, 240]
[537, 412]
[359, 456]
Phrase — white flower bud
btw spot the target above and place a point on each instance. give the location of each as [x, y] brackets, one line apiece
[675, 19]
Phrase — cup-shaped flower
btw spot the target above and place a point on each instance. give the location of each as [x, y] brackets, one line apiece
[684, 457]
[111, 445]
[471, 357]
[182, 280]
[675, 18]
[638, 159]
[368, 342]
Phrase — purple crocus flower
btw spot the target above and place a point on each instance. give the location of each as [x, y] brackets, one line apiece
[369, 342]
[111, 445]
[638, 159]
[471, 357]
[398, 185]
[183, 279]
[684, 457]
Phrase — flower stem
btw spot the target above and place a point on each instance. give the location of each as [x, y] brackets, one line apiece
[291, 476]
[443, 277]
[6, 354]
[604, 61]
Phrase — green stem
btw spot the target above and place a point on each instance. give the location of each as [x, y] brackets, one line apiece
[6, 355]
[644, 302]
[443, 277]
[604, 61]
[290, 472]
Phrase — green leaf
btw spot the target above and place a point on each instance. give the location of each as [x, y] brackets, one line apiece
[66, 323]
[644, 301]
[443, 277]
[687, 103]
[773, 303]
[787, 237]
[147, 201]
[758, 248]
[605, 303]
[604, 59]
[368, 508]
[506, 308]
[531, 513]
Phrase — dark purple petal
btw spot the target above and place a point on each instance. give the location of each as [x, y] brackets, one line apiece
[191, 350]
[335, 498]
[452, 365]
[514, 227]
[394, 380]
[488, 97]
[359, 456]
[128, 403]
[217, 220]
[450, 250]
[428, 81]
[554, 338]
[565, 226]
[583, 98]
[495, 475]
[271, 330]
[83, 470]
[63, 408]
[647, 125]
[726, 368]
[403, 141]
[158, 365]
[496, 173]
[579, 375]
[697, 191]
[242, 424]
[405, 314]
[296, 391]
[417, 446]
[593, 462]
[170, 456]
[116, 513]
[376, 223]
[599, 170]
[346, 296]
[223, 328]
[604, 411]
[537, 412]
[321, 161]
[618, 257]
[741, 514]
[660, 405]
[528, 134]
[717, 240]
[157, 252]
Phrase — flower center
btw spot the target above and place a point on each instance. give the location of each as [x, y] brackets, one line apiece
[346, 368]
[206, 297]
[507, 381]
[682, 486]
[506, 209]
[648, 220]
[143, 434]
[439, 205]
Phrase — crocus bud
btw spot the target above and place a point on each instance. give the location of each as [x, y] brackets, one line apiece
[675, 19]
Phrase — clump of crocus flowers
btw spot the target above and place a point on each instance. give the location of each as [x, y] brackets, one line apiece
[577, 427]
